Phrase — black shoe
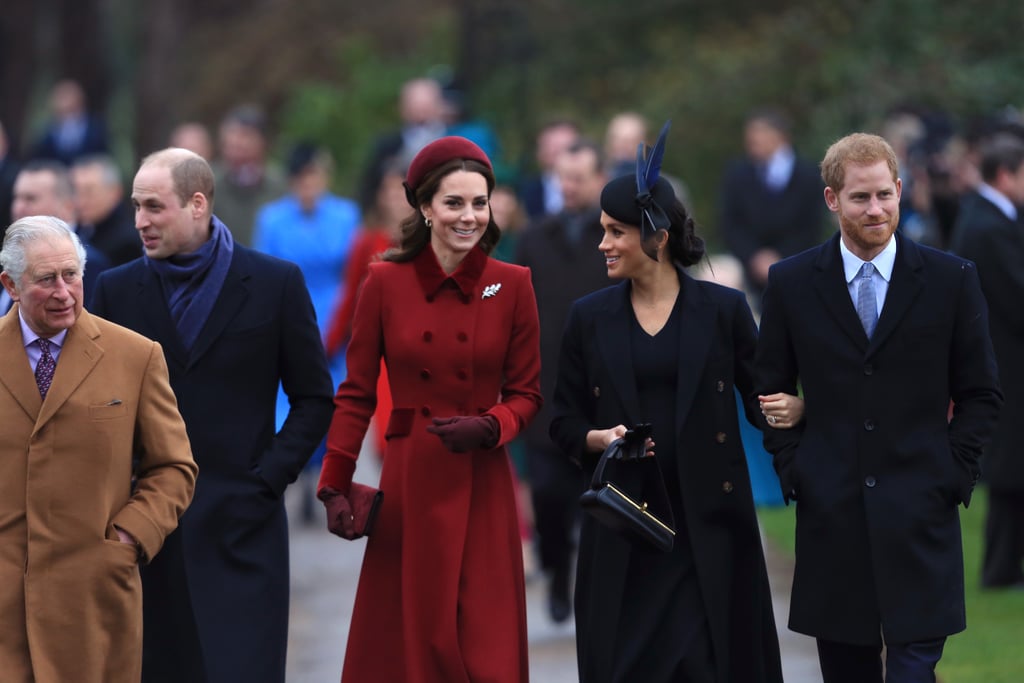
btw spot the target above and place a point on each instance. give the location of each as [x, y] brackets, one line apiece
[559, 604]
[559, 608]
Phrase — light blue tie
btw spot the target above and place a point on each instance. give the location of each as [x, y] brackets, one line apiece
[867, 305]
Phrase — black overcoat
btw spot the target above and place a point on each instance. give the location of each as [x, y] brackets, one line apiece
[877, 469]
[596, 389]
[995, 243]
[222, 578]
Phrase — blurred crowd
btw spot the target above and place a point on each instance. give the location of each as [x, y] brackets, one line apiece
[769, 207]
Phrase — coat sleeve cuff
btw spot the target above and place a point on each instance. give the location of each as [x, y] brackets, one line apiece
[336, 473]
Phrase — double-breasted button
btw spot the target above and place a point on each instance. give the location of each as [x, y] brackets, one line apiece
[870, 481]
[425, 411]
[462, 337]
[720, 386]
[727, 487]
[428, 335]
[424, 373]
[720, 437]
[597, 392]
[868, 369]
[461, 374]
[869, 425]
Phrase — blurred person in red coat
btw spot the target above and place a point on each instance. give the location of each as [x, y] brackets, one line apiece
[441, 596]
[381, 232]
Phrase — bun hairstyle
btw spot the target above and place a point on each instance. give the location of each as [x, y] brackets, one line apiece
[647, 201]
[422, 181]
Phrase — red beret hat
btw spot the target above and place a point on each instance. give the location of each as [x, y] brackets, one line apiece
[436, 153]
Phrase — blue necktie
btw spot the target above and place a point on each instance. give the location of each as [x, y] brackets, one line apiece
[867, 305]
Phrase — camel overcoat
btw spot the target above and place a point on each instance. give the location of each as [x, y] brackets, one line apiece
[70, 592]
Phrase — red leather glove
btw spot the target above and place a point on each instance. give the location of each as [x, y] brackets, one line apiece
[339, 513]
[462, 434]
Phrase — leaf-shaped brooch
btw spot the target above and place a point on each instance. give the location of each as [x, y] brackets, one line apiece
[490, 290]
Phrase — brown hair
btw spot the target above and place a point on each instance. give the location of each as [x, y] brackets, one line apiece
[862, 149]
[416, 234]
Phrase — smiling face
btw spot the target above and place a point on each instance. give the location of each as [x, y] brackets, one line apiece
[459, 212]
[623, 253]
[868, 207]
[50, 293]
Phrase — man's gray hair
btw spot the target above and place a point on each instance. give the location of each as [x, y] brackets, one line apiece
[110, 174]
[30, 229]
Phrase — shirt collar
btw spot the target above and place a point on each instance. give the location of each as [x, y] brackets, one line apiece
[465, 278]
[29, 337]
[780, 166]
[1001, 201]
[883, 262]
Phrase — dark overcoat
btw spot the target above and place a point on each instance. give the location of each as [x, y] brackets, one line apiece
[995, 243]
[755, 217]
[876, 467]
[562, 270]
[221, 583]
[596, 389]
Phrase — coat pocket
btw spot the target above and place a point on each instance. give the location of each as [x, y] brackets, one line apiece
[400, 422]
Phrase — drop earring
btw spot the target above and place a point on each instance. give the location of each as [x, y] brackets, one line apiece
[429, 222]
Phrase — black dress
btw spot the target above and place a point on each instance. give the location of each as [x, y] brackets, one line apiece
[666, 644]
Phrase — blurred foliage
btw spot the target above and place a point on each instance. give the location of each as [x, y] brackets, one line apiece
[347, 112]
[330, 71]
[833, 67]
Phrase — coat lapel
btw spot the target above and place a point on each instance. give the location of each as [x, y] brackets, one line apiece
[15, 371]
[830, 284]
[907, 282]
[232, 295]
[613, 335]
[78, 357]
[157, 317]
[697, 325]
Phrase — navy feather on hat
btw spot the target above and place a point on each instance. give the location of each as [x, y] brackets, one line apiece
[641, 199]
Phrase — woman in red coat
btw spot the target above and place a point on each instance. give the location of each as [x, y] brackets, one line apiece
[441, 595]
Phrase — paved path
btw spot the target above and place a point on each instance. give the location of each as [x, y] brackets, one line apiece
[324, 574]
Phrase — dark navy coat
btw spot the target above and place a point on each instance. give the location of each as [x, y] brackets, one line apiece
[216, 597]
[877, 468]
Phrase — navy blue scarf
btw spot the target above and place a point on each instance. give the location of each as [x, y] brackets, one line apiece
[192, 282]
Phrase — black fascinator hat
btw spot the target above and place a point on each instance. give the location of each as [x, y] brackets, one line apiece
[641, 199]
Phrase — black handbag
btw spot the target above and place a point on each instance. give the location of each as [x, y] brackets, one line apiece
[617, 510]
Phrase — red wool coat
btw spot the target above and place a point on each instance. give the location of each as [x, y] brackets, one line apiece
[441, 595]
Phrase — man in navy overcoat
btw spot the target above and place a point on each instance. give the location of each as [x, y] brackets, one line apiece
[878, 468]
[233, 324]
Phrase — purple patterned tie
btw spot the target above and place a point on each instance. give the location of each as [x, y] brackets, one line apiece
[45, 367]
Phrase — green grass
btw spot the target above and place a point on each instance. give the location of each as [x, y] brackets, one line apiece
[991, 650]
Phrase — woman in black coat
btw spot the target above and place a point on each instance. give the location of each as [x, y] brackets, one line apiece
[664, 348]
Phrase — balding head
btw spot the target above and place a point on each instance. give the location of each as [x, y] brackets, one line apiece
[190, 173]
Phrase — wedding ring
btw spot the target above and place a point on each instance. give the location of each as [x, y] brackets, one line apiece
[772, 419]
